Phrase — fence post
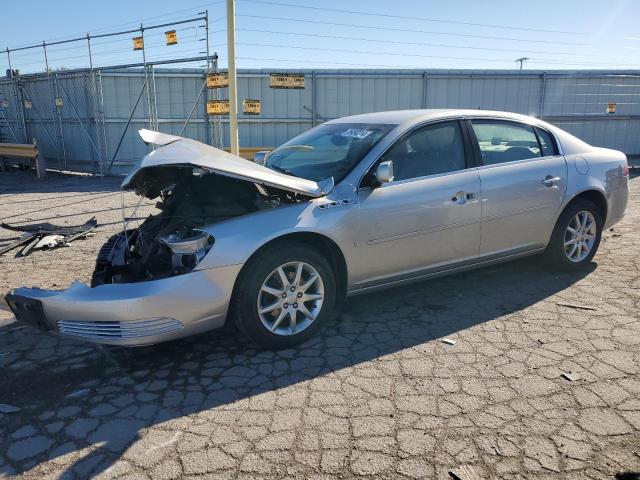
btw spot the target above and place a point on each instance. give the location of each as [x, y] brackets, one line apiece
[314, 98]
[543, 93]
[425, 91]
[18, 99]
[101, 110]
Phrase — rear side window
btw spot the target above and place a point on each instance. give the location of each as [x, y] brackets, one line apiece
[502, 142]
[547, 144]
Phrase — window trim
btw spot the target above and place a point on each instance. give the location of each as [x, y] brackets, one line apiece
[469, 156]
[476, 144]
[554, 142]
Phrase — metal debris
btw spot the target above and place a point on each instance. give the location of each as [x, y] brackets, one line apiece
[448, 341]
[44, 236]
[572, 377]
[573, 305]
[15, 244]
[30, 246]
[49, 228]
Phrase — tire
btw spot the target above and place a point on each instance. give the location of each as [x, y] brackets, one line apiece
[267, 329]
[556, 255]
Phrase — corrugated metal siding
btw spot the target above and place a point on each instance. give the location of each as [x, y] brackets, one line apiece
[575, 101]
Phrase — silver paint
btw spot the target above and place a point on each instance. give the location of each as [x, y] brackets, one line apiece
[396, 233]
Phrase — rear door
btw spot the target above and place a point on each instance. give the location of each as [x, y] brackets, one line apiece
[523, 178]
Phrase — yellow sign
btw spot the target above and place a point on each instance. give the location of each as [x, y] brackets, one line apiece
[138, 43]
[250, 106]
[218, 107]
[611, 108]
[217, 80]
[27, 104]
[286, 80]
[172, 37]
[59, 102]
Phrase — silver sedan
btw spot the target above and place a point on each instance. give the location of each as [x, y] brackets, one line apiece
[355, 204]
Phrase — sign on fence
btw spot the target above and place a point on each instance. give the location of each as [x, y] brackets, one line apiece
[171, 37]
[59, 102]
[286, 80]
[251, 106]
[217, 80]
[27, 104]
[138, 43]
[218, 107]
[611, 108]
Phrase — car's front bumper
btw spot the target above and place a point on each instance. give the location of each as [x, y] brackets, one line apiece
[131, 313]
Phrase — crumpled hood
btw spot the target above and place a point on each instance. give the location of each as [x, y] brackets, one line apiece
[176, 151]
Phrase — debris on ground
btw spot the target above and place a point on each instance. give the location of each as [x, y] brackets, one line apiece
[20, 241]
[448, 341]
[465, 472]
[6, 408]
[573, 305]
[78, 393]
[45, 236]
[571, 376]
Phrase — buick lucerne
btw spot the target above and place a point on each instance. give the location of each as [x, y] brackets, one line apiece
[349, 206]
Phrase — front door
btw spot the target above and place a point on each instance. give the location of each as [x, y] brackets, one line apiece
[524, 180]
[428, 216]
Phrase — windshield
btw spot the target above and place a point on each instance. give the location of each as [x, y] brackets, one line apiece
[329, 150]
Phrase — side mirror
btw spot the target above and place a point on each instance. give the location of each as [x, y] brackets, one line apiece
[260, 157]
[384, 172]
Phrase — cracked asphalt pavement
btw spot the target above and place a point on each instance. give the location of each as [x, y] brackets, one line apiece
[533, 388]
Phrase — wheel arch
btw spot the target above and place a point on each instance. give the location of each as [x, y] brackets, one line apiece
[320, 242]
[593, 195]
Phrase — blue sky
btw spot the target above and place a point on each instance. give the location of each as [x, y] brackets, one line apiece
[570, 34]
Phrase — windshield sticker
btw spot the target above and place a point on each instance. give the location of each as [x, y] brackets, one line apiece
[356, 133]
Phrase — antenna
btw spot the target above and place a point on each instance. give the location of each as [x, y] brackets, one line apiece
[522, 60]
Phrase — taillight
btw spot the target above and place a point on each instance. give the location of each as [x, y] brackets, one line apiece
[625, 171]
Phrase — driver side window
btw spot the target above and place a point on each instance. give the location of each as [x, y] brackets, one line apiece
[429, 150]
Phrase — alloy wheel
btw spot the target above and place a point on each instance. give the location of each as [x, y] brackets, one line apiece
[580, 236]
[290, 298]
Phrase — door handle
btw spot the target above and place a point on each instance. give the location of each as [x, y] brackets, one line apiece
[549, 181]
[461, 197]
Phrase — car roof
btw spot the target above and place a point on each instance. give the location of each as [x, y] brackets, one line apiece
[396, 117]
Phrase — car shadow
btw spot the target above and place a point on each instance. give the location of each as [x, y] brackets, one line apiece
[104, 396]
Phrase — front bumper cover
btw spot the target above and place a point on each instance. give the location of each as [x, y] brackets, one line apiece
[131, 313]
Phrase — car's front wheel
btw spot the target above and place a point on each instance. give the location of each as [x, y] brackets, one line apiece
[576, 236]
[284, 295]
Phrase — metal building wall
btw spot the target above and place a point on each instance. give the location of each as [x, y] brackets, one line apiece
[99, 103]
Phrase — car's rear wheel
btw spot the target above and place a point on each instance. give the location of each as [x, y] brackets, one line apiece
[284, 295]
[576, 236]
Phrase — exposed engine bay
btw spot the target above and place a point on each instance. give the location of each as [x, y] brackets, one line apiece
[170, 243]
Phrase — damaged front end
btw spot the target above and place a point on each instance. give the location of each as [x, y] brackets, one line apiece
[146, 287]
[170, 242]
